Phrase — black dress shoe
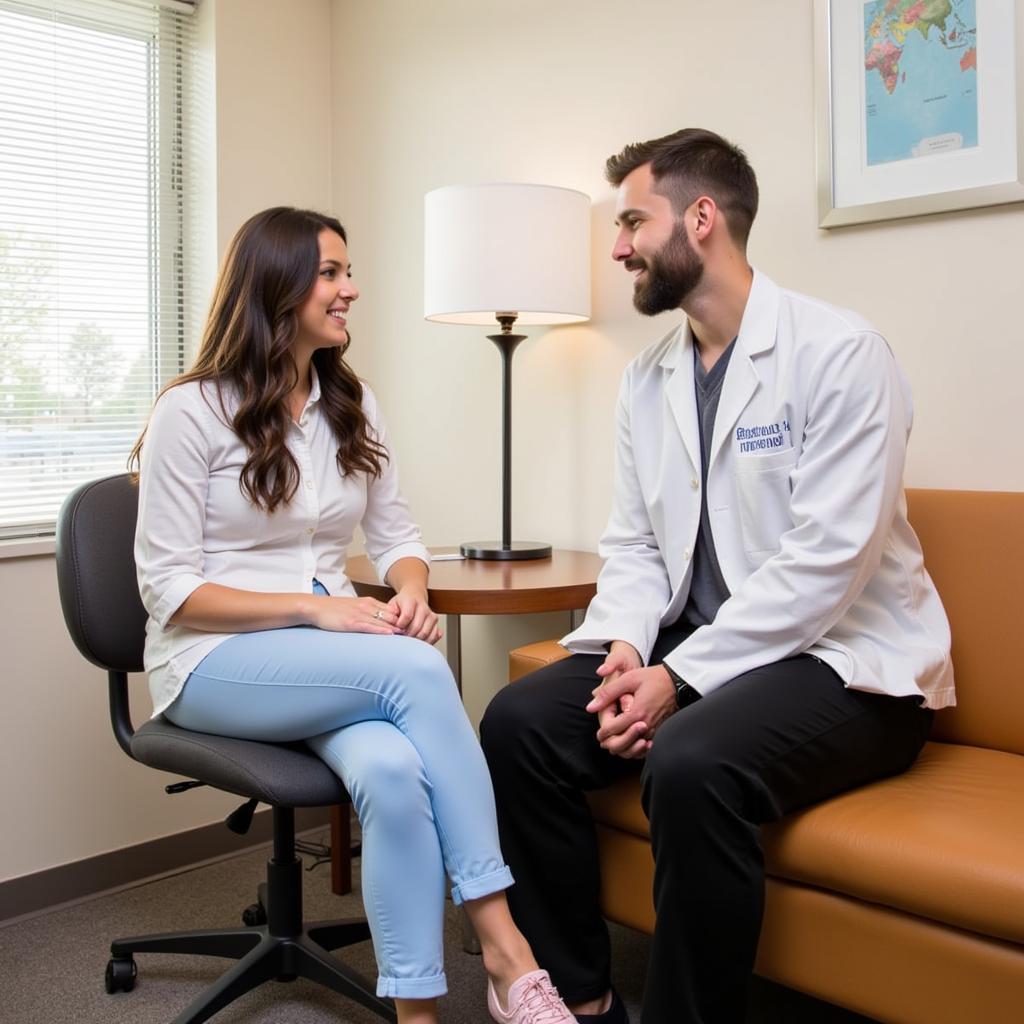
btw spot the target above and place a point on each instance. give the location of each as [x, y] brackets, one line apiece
[615, 1014]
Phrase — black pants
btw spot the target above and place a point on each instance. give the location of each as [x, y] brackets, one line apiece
[770, 741]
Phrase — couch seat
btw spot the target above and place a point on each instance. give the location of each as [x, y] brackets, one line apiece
[943, 841]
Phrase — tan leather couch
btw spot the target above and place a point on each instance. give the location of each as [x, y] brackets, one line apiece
[904, 900]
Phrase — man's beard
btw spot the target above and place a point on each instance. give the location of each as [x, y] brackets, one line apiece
[671, 275]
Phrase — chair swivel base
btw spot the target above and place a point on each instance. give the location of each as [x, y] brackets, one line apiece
[263, 952]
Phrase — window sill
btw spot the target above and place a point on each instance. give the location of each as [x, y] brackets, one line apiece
[27, 547]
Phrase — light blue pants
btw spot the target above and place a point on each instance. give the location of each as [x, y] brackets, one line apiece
[383, 712]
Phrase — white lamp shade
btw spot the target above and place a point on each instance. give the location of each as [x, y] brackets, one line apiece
[506, 248]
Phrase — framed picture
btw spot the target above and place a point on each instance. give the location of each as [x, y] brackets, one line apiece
[919, 107]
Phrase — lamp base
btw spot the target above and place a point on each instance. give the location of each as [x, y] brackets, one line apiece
[495, 551]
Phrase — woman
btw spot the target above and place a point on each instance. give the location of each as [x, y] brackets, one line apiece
[257, 466]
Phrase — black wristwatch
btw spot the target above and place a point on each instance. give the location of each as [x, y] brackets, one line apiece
[685, 693]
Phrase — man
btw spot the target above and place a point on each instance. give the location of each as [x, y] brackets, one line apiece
[764, 633]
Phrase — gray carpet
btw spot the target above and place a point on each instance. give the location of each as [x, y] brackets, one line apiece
[52, 965]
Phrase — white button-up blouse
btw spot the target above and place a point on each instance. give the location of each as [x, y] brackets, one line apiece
[196, 526]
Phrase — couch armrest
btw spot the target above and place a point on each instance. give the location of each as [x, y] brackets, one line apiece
[531, 657]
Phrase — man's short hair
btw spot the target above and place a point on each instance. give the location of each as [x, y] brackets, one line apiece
[694, 162]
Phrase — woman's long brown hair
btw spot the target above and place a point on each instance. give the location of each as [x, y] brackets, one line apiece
[270, 267]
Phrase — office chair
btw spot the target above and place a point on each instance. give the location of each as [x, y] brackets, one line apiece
[106, 619]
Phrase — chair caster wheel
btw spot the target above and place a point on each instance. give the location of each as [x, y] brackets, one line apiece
[254, 915]
[121, 974]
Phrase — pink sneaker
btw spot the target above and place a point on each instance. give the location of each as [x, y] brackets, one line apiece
[532, 999]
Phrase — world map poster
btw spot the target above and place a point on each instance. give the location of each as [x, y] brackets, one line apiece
[920, 63]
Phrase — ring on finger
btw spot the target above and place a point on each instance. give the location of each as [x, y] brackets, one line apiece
[378, 614]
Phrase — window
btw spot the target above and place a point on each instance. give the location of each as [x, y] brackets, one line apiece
[92, 228]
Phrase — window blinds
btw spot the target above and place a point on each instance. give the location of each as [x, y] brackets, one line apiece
[93, 305]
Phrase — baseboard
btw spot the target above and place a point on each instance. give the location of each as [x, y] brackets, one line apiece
[132, 864]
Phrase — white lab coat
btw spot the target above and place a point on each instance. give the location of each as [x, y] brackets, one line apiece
[805, 501]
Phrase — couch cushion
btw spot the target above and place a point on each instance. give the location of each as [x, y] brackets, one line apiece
[973, 551]
[944, 841]
[531, 657]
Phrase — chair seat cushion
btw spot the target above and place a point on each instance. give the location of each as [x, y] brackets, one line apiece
[282, 774]
[944, 841]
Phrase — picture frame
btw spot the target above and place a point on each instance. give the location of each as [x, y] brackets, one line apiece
[950, 139]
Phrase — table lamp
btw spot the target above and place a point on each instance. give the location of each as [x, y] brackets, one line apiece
[498, 254]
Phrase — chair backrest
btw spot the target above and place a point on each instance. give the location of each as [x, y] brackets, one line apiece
[99, 594]
[973, 550]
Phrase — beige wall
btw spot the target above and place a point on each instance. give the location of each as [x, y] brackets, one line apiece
[274, 114]
[461, 91]
[362, 108]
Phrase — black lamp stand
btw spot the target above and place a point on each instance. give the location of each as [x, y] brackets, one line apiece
[506, 550]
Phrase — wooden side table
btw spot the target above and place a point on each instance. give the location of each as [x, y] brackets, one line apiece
[564, 582]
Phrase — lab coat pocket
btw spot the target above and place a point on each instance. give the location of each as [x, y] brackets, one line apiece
[762, 492]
